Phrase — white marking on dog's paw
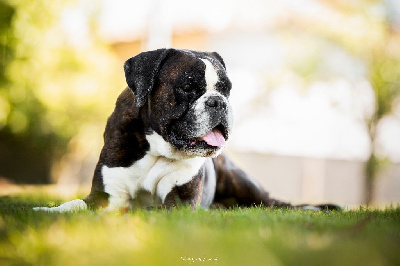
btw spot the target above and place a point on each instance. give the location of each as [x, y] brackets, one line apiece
[70, 206]
[310, 208]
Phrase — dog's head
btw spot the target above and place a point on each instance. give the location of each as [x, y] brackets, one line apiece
[183, 96]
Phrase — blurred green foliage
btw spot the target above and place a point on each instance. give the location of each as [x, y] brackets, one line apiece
[42, 74]
[385, 79]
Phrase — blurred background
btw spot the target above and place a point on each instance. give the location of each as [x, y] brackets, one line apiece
[316, 88]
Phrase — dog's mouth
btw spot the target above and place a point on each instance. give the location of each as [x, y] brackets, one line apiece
[215, 138]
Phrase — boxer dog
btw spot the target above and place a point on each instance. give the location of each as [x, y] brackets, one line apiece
[163, 142]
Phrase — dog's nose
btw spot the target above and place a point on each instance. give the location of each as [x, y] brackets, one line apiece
[216, 102]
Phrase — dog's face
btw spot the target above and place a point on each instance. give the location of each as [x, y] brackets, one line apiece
[184, 98]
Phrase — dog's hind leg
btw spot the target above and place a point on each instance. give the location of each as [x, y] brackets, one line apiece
[236, 188]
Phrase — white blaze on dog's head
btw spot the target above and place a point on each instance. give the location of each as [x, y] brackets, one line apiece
[202, 117]
[211, 75]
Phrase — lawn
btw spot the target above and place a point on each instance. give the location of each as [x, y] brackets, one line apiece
[249, 236]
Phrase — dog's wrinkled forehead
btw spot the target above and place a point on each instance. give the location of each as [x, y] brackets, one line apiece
[192, 72]
[185, 70]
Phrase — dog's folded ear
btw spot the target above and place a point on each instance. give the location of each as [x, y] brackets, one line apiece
[142, 70]
[219, 58]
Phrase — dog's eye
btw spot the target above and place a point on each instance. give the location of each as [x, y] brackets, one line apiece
[187, 87]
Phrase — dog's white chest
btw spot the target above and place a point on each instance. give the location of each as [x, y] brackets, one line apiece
[154, 174]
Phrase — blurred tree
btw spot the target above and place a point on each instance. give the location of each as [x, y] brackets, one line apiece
[377, 44]
[371, 36]
[385, 80]
[50, 86]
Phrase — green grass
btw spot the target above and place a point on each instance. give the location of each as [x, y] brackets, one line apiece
[250, 236]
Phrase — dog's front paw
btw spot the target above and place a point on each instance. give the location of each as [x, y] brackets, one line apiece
[320, 207]
[73, 205]
[310, 208]
[42, 209]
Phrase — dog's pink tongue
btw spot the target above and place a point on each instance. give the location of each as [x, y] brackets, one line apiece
[214, 138]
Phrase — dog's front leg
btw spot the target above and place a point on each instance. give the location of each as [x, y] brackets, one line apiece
[186, 194]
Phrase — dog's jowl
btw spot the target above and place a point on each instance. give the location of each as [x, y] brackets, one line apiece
[163, 142]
